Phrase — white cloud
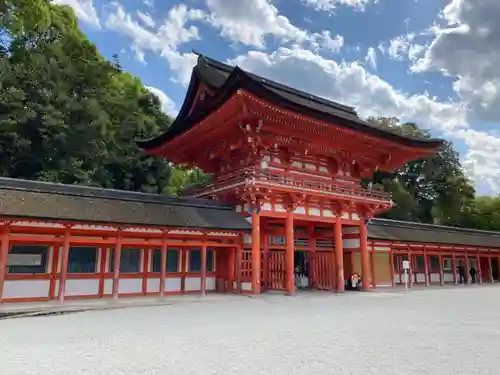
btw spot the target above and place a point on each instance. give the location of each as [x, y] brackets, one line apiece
[84, 10]
[167, 104]
[164, 41]
[371, 57]
[325, 41]
[350, 83]
[330, 5]
[482, 159]
[250, 21]
[468, 48]
[146, 19]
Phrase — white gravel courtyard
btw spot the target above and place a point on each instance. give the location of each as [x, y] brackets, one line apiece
[448, 331]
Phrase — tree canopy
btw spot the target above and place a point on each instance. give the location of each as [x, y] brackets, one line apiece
[432, 190]
[67, 114]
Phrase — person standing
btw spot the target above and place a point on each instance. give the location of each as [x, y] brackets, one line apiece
[473, 274]
[461, 273]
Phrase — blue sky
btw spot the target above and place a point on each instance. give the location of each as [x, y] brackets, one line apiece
[434, 62]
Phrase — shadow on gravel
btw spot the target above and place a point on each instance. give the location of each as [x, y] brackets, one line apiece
[14, 315]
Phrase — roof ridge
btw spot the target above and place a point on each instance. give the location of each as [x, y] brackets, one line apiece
[435, 227]
[45, 187]
[273, 84]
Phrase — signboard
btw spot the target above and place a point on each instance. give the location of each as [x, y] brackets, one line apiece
[406, 264]
[24, 260]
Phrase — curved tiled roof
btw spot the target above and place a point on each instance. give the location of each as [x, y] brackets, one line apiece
[403, 231]
[41, 200]
[225, 80]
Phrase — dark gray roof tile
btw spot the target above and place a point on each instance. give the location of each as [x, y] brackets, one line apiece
[32, 199]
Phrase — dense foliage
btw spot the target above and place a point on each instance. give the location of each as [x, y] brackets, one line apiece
[66, 114]
[69, 115]
[431, 190]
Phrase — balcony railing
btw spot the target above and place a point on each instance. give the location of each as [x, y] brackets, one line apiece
[297, 182]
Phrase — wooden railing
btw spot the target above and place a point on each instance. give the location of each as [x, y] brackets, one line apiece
[299, 182]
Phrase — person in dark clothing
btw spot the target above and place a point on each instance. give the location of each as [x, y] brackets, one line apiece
[461, 273]
[473, 274]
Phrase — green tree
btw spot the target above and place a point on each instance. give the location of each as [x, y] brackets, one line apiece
[68, 115]
[484, 214]
[430, 190]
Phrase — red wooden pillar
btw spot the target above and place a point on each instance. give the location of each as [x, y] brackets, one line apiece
[264, 238]
[466, 265]
[231, 260]
[116, 262]
[426, 269]
[391, 265]
[312, 256]
[289, 254]
[4, 253]
[339, 255]
[64, 266]
[441, 271]
[365, 256]
[163, 266]
[203, 282]
[255, 249]
[239, 259]
[479, 275]
[372, 267]
[410, 271]
[490, 263]
[454, 265]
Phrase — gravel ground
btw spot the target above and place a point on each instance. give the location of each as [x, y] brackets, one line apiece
[453, 331]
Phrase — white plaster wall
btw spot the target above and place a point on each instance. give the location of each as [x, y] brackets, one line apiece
[192, 283]
[313, 211]
[108, 286]
[210, 283]
[173, 284]
[351, 243]
[130, 286]
[397, 278]
[420, 277]
[153, 285]
[435, 278]
[328, 213]
[81, 287]
[350, 230]
[381, 248]
[300, 210]
[448, 277]
[26, 288]
[246, 286]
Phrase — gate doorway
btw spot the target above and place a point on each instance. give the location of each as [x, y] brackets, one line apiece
[494, 269]
[301, 271]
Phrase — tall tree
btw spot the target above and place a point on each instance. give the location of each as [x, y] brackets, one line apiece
[484, 214]
[431, 190]
[66, 114]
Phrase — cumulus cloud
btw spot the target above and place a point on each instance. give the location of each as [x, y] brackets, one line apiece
[351, 84]
[250, 22]
[165, 40]
[84, 10]
[167, 104]
[146, 19]
[467, 47]
[331, 5]
[371, 57]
